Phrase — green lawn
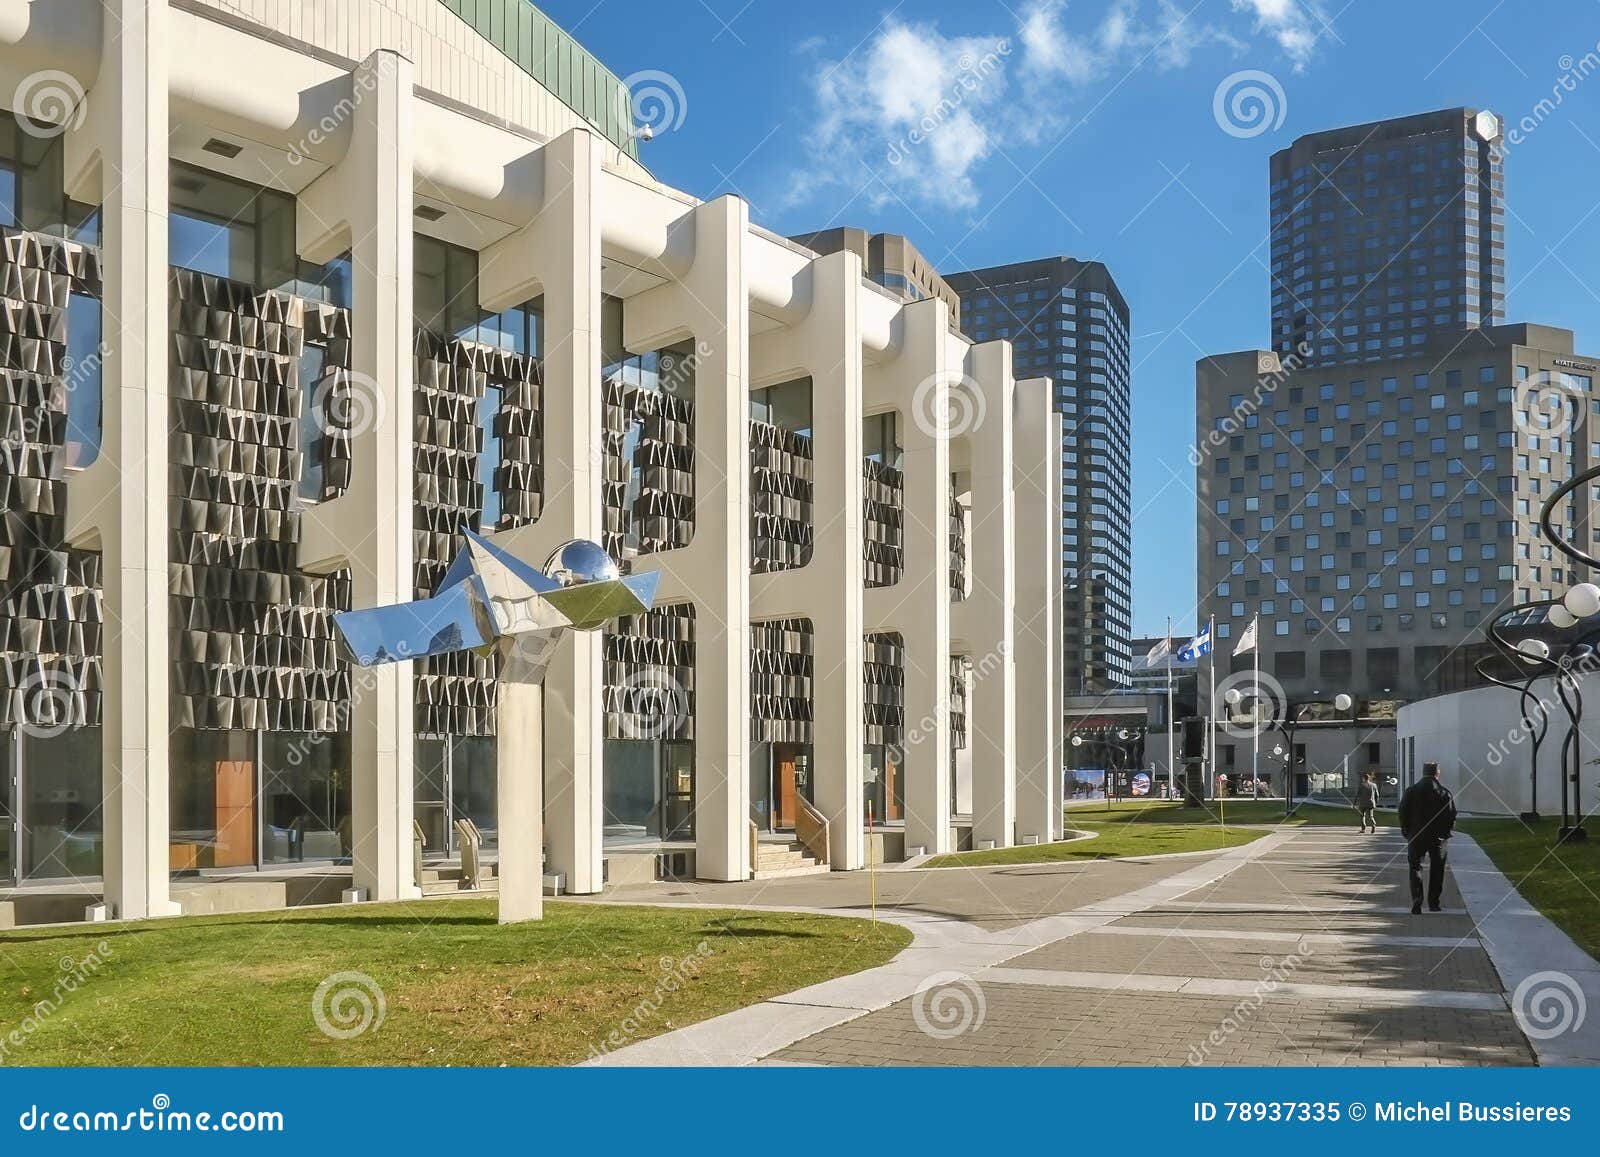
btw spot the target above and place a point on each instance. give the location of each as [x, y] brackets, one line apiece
[1241, 811]
[459, 989]
[1563, 883]
[1117, 840]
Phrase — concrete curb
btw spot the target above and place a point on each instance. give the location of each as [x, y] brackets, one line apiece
[1552, 985]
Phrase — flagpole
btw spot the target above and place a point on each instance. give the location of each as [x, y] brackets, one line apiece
[1255, 730]
[1172, 765]
[1211, 708]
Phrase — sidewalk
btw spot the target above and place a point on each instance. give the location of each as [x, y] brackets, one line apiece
[1298, 949]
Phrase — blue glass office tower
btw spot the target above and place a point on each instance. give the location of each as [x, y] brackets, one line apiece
[1384, 234]
[1068, 321]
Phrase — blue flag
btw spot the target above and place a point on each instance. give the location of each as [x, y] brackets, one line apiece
[1196, 647]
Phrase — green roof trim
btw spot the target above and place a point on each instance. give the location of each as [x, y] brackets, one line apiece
[546, 52]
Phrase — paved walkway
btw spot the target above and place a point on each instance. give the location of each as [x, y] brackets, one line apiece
[1297, 949]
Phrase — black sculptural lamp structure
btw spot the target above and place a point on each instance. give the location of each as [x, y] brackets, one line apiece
[1534, 653]
[492, 602]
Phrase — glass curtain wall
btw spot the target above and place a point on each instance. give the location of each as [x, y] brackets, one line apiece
[62, 825]
[649, 791]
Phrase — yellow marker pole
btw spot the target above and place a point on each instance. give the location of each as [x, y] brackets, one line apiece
[872, 876]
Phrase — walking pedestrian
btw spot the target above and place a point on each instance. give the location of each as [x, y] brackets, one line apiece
[1427, 818]
[1367, 802]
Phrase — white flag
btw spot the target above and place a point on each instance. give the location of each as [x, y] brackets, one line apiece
[1158, 652]
[1247, 640]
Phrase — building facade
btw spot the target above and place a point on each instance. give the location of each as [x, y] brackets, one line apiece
[1376, 516]
[889, 260]
[297, 292]
[1386, 233]
[1068, 320]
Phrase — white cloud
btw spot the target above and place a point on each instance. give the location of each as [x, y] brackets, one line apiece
[914, 114]
[1294, 24]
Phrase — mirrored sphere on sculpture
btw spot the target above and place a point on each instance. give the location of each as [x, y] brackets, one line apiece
[579, 561]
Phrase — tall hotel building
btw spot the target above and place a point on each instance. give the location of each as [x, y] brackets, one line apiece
[295, 292]
[1385, 233]
[1066, 319]
[1371, 486]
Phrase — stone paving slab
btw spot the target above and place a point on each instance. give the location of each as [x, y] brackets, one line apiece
[1429, 924]
[1467, 970]
[1023, 1025]
[999, 897]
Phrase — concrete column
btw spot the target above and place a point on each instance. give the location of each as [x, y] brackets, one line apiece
[983, 620]
[119, 504]
[558, 255]
[364, 204]
[518, 734]
[913, 381]
[826, 346]
[1036, 617]
[710, 304]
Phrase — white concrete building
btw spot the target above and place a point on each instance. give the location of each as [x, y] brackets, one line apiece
[296, 290]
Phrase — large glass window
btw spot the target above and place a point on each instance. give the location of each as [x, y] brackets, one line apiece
[787, 406]
[649, 791]
[230, 228]
[489, 457]
[61, 793]
[83, 372]
[885, 792]
[880, 439]
[305, 796]
[474, 788]
[311, 372]
[8, 808]
[212, 794]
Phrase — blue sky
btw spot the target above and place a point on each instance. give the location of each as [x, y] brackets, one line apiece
[1090, 129]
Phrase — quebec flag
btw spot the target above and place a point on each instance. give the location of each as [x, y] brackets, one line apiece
[1196, 647]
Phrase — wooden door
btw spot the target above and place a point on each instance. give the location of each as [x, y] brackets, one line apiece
[783, 786]
[236, 814]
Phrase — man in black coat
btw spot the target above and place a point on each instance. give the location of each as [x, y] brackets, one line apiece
[1427, 817]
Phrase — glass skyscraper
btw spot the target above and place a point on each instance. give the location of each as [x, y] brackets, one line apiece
[1385, 233]
[1067, 320]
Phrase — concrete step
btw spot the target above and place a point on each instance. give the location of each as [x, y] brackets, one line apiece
[810, 868]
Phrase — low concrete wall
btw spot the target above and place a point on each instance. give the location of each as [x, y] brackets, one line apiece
[1485, 754]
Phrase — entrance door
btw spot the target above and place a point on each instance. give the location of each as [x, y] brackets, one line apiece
[431, 800]
[677, 791]
[784, 784]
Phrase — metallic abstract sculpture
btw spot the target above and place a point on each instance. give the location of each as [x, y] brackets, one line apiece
[490, 600]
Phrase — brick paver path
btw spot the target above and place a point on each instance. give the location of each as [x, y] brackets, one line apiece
[1305, 955]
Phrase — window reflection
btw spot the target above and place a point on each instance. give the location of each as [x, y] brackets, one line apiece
[83, 372]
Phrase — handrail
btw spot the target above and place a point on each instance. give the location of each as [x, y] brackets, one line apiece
[811, 828]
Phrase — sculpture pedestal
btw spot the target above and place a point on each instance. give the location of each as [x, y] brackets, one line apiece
[520, 780]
